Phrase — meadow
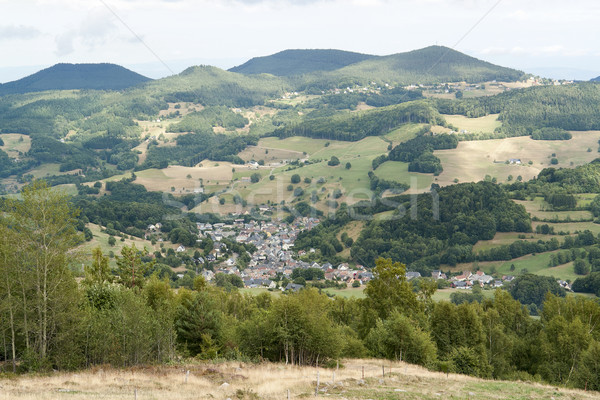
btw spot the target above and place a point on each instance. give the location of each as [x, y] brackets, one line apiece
[486, 124]
[472, 161]
[15, 143]
[353, 379]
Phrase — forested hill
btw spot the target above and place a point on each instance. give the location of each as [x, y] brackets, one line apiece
[596, 79]
[298, 62]
[430, 65]
[75, 76]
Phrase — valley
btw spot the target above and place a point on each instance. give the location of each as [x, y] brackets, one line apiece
[309, 207]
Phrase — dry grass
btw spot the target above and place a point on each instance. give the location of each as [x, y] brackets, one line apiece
[185, 179]
[471, 161]
[485, 124]
[272, 381]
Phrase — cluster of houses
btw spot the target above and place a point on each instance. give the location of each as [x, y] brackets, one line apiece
[466, 279]
[274, 255]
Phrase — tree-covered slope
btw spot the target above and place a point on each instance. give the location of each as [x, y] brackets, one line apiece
[75, 76]
[356, 126]
[570, 107]
[298, 62]
[432, 64]
[213, 86]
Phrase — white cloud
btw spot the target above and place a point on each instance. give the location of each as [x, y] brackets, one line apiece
[18, 32]
[95, 30]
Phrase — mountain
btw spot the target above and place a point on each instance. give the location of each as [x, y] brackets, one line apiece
[75, 76]
[213, 86]
[299, 62]
[434, 64]
[596, 79]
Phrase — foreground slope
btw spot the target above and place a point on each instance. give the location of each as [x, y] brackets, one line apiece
[272, 381]
[297, 62]
[75, 76]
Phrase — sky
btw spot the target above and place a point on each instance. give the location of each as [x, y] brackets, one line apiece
[157, 38]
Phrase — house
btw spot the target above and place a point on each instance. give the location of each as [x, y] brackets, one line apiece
[461, 285]
[294, 287]
[208, 275]
[465, 276]
[563, 284]
[412, 275]
[481, 277]
[438, 275]
[180, 249]
[516, 161]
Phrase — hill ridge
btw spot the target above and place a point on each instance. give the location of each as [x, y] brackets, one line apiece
[292, 62]
[68, 76]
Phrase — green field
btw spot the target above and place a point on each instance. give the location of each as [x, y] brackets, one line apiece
[534, 264]
[397, 171]
[404, 133]
[101, 240]
[444, 294]
[542, 210]
[354, 182]
[15, 144]
[506, 238]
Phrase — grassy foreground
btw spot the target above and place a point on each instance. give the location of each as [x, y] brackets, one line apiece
[272, 381]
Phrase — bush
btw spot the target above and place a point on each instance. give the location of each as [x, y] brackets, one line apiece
[295, 178]
[333, 161]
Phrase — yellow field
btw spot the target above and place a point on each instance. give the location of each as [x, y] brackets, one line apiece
[210, 174]
[269, 381]
[485, 124]
[472, 161]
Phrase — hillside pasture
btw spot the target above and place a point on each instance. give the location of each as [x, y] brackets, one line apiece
[397, 171]
[354, 182]
[101, 240]
[570, 227]
[506, 238]
[49, 169]
[404, 133]
[182, 107]
[15, 143]
[269, 155]
[472, 161]
[485, 124]
[542, 210]
[207, 174]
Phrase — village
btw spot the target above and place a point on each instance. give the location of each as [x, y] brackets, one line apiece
[275, 259]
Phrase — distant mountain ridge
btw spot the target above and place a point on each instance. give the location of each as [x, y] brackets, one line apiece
[596, 79]
[433, 64]
[101, 76]
[299, 62]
